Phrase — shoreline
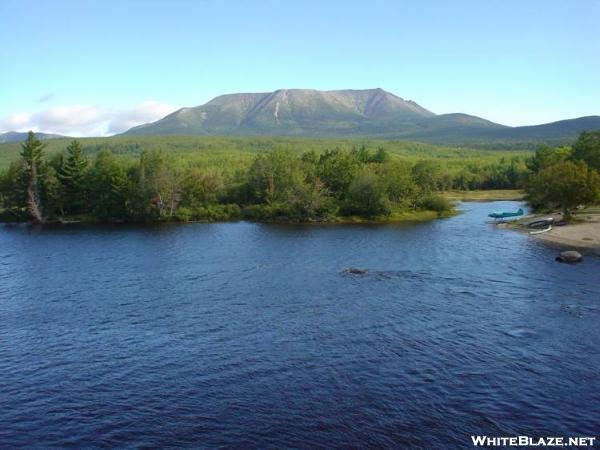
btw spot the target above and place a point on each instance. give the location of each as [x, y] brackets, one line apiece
[453, 196]
[401, 217]
[584, 235]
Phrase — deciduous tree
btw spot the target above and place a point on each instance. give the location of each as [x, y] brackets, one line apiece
[587, 148]
[567, 184]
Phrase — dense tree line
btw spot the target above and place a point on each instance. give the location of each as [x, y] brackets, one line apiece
[566, 177]
[278, 185]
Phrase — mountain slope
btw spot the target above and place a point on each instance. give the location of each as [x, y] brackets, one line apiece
[552, 130]
[450, 126]
[482, 136]
[293, 112]
[15, 136]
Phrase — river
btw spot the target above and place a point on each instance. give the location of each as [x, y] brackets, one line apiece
[251, 335]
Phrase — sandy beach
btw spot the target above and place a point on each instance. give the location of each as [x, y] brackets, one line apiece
[584, 235]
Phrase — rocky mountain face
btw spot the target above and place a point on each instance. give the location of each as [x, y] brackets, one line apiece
[302, 112]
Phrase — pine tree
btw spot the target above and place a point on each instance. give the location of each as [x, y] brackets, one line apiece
[72, 174]
[32, 150]
[118, 194]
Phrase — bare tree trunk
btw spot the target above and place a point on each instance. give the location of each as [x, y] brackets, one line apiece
[172, 206]
[33, 201]
[161, 205]
[171, 203]
[175, 199]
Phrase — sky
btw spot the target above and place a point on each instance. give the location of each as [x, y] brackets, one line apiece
[92, 68]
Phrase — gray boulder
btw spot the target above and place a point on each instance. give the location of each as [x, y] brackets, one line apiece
[570, 256]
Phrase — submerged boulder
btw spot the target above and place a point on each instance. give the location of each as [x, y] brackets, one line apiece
[570, 256]
[355, 271]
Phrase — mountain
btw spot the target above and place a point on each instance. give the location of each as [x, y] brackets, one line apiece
[553, 130]
[372, 113]
[446, 127]
[461, 129]
[15, 136]
[301, 112]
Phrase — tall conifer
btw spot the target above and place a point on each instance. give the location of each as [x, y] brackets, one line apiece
[72, 176]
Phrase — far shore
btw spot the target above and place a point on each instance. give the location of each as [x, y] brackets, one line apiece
[395, 217]
[485, 195]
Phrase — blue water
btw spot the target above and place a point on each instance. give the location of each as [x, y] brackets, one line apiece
[251, 336]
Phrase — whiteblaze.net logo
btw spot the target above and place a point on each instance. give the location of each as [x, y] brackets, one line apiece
[527, 441]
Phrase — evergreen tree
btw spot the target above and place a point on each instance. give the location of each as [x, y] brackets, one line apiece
[51, 192]
[361, 154]
[71, 175]
[106, 190]
[118, 194]
[380, 156]
[14, 189]
[32, 151]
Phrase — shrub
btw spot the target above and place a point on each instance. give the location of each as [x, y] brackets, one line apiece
[183, 214]
[269, 212]
[433, 202]
[366, 196]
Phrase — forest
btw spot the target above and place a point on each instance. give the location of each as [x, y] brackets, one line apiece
[279, 179]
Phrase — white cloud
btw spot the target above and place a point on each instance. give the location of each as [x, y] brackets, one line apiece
[143, 113]
[85, 120]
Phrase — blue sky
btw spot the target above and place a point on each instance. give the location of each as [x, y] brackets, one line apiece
[96, 67]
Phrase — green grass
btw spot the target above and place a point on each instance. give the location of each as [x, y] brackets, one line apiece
[589, 210]
[484, 196]
[396, 217]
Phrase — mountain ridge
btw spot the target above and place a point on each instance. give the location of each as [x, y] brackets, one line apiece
[18, 136]
[369, 113]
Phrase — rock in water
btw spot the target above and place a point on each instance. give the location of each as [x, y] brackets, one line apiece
[355, 271]
[570, 256]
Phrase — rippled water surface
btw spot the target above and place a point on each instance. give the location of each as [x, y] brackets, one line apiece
[250, 336]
